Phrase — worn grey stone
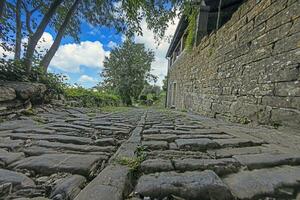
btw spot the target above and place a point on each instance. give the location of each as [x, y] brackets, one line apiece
[37, 150]
[156, 165]
[196, 144]
[163, 137]
[7, 93]
[47, 164]
[111, 128]
[68, 188]
[219, 166]
[155, 145]
[74, 147]
[105, 142]
[262, 182]
[34, 198]
[188, 185]
[229, 152]
[26, 90]
[10, 144]
[58, 138]
[15, 124]
[33, 130]
[9, 157]
[110, 184]
[237, 142]
[18, 180]
[255, 161]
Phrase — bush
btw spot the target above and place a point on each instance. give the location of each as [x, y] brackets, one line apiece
[90, 98]
[15, 71]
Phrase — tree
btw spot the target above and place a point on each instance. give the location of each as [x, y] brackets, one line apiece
[18, 30]
[36, 36]
[54, 47]
[127, 70]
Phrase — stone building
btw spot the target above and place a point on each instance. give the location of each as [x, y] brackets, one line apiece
[245, 63]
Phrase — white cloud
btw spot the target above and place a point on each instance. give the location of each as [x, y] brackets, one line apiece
[112, 44]
[70, 57]
[85, 78]
[160, 66]
[43, 45]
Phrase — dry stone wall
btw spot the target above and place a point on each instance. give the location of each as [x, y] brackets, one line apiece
[246, 71]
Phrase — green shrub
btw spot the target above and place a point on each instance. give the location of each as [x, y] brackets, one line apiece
[16, 71]
[90, 98]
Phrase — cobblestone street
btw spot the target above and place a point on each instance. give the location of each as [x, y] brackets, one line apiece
[74, 153]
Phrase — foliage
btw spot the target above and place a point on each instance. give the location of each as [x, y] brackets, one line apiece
[150, 94]
[191, 29]
[127, 70]
[91, 98]
[16, 71]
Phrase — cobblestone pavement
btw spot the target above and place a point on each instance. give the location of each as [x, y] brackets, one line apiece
[57, 152]
[144, 154]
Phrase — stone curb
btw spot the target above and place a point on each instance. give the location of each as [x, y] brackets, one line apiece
[114, 181]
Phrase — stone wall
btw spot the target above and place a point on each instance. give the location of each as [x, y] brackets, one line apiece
[246, 71]
[17, 96]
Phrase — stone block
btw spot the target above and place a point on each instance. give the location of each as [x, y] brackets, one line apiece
[263, 182]
[288, 89]
[286, 117]
[188, 185]
[7, 93]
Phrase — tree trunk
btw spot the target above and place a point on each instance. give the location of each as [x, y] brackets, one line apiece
[2, 6]
[18, 30]
[54, 47]
[33, 39]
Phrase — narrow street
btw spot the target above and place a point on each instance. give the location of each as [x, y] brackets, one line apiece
[79, 154]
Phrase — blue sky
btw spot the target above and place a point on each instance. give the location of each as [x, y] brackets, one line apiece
[83, 62]
[94, 39]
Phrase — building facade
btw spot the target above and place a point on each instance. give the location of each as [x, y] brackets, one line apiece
[245, 63]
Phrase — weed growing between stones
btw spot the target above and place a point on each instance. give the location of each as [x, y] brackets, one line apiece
[134, 162]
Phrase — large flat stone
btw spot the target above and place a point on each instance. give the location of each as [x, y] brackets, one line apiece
[7, 158]
[15, 124]
[56, 138]
[11, 144]
[263, 182]
[105, 142]
[162, 137]
[156, 165]
[188, 185]
[74, 147]
[196, 144]
[237, 142]
[17, 180]
[33, 130]
[37, 151]
[47, 164]
[229, 152]
[111, 184]
[219, 166]
[255, 161]
[155, 145]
